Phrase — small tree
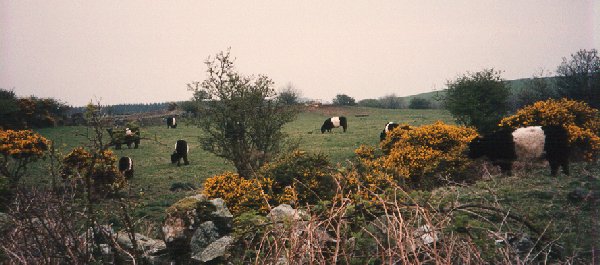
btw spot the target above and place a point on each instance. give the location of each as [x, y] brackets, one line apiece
[579, 77]
[240, 121]
[289, 95]
[391, 102]
[419, 103]
[478, 99]
[343, 100]
[370, 102]
[191, 107]
[172, 106]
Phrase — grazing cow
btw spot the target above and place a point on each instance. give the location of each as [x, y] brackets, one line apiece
[334, 122]
[505, 146]
[388, 127]
[171, 122]
[181, 151]
[126, 167]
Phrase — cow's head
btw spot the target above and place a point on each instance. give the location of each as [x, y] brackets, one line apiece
[175, 157]
[476, 148]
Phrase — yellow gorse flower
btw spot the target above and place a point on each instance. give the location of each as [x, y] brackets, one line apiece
[581, 120]
[417, 153]
[238, 193]
[104, 174]
[22, 144]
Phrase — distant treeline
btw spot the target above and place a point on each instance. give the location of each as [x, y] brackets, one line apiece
[394, 102]
[124, 109]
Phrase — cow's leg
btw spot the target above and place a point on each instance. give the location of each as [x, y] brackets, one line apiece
[565, 166]
[505, 167]
[185, 160]
[554, 165]
[136, 144]
[118, 146]
[179, 161]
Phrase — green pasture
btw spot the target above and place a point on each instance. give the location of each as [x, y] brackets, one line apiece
[531, 192]
[154, 173]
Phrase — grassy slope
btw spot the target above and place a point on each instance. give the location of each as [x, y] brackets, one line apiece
[531, 192]
[515, 86]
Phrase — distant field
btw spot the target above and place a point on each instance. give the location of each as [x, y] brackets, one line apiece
[154, 174]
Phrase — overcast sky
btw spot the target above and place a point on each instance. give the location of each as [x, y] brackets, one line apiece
[147, 51]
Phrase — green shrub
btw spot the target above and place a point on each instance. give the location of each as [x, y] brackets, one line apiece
[299, 177]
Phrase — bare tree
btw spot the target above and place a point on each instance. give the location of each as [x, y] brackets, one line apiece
[579, 77]
[289, 95]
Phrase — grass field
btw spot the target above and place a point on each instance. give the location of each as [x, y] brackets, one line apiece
[154, 173]
[531, 192]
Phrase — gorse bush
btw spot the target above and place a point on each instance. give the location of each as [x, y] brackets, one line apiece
[367, 178]
[18, 149]
[420, 156]
[299, 177]
[101, 169]
[239, 194]
[22, 144]
[581, 120]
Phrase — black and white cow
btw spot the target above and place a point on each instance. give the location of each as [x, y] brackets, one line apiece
[181, 151]
[126, 167]
[505, 146]
[334, 122]
[171, 122]
[388, 127]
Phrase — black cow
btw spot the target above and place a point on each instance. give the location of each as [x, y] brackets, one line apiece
[171, 122]
[388, 127]
[505, 146]
[181, 151]
[334, 122]
[126, 167]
